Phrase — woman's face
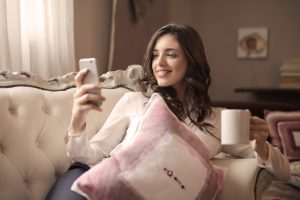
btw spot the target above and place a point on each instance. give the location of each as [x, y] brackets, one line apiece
[169, 64]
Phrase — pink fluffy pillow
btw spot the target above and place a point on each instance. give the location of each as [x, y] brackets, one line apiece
[164, 161]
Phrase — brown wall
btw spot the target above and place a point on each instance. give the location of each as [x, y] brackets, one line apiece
[92, 30]
[218, 21]
[132, 33]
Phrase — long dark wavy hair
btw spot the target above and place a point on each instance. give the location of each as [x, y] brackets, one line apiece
[197, 78]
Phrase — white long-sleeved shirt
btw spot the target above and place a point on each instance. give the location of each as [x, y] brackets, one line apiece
[121, 126]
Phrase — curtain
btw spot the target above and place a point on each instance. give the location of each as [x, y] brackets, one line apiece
[37, 36]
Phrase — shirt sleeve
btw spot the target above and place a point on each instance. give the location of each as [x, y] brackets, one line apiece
[81, 149]
[277, 164]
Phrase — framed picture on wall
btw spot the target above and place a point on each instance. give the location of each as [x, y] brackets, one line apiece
[252, 42]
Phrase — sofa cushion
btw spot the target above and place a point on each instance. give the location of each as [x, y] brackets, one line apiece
[34, 115]
[285, 132]
[32, 140]
[165, 153]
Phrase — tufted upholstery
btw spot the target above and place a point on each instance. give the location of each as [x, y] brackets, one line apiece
[33, 134]
[32, 137]
[34, 116]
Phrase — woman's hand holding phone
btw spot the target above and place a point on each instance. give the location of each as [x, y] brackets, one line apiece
[87, 96]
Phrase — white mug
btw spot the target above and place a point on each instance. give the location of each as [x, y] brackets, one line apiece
[235, 126]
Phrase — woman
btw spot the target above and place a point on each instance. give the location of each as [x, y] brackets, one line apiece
[175, 67]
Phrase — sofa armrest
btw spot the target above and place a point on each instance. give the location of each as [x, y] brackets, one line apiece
[244, 179]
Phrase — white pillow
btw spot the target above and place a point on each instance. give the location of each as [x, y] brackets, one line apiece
[165, 160]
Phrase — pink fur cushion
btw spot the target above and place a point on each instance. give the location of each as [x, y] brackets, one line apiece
[285, 132]
[164, 161]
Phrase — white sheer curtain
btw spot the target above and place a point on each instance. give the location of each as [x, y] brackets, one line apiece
[37, 36]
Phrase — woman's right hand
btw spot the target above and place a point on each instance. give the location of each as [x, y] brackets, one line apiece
[85, 93]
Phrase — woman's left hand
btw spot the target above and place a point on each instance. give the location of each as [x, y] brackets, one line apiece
[259, 132]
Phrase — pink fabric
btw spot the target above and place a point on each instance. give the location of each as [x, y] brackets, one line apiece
[285, 130]
[281, 133]
[273, 118]
[144, 168]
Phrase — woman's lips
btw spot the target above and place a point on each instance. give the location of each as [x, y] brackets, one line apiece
[162, 73]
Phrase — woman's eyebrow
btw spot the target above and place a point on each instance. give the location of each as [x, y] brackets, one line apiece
[171, 49]
[167, 49]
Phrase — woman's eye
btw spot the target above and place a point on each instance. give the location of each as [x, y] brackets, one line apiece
[171, 55]
[154, 55]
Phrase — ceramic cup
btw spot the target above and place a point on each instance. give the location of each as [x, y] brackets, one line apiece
[235, 126]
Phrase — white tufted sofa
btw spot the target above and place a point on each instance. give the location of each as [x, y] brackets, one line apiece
[34, 116]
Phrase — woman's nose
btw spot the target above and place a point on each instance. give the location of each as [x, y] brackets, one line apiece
[161, 60]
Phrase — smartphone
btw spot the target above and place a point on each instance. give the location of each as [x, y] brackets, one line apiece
[92, 76]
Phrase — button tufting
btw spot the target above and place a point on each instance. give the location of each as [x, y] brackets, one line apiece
[26, 183]
[44, 108]
[57, 174]
[12, 110]
[66, 139]
[37, 144]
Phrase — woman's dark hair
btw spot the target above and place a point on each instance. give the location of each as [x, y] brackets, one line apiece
[197, 78]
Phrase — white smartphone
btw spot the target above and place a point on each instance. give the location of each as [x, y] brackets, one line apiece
[92, 76]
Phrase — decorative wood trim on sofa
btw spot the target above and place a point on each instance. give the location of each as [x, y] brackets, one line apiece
[12, 79]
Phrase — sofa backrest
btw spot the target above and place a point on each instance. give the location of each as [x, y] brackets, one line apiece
[34, 118]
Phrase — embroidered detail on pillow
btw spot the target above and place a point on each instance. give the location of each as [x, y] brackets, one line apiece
[165, 160]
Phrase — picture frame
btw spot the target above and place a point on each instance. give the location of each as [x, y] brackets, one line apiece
[252, 42]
